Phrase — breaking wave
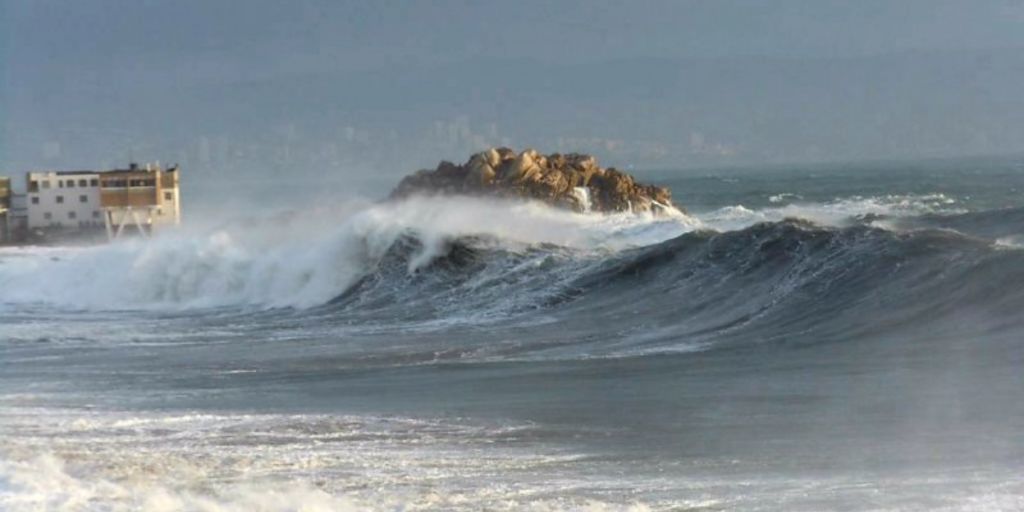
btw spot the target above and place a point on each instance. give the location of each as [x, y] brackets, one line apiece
[787, 274]
[300, 259]
[311, 310]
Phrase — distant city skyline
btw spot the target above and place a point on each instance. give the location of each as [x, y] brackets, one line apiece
[278, 88]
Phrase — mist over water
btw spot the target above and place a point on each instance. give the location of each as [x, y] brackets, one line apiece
[813, 337]
[799, 340]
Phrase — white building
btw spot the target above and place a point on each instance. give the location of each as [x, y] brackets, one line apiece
[64, 199]
[139, 200]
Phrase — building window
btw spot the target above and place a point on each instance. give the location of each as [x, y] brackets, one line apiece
[35, 200]
[159, 211]
[46, 183]
[60, 199]
[60, 183]
[83, 199]
[48, 216]
[72, 215]
[94, 182]
[96, 214]
[83, 183]
[71, 183]
[168, 196]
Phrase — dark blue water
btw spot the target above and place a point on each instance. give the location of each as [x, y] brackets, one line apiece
[837, 337]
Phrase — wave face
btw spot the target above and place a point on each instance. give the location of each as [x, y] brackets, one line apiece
[803, 340]
[795, 281]
[732, 275]
[296, 259]
[301, 259]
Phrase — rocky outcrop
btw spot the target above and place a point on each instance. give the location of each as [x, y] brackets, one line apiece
[572, 181]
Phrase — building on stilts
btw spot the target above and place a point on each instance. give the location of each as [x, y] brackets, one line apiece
[139, 200]
[89, 206]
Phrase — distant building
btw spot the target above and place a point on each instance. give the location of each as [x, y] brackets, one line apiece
[74, 203]
[5, 192]
[63, 199]
[144, 199]
[5, 208]
[17, 219]
[13, 214]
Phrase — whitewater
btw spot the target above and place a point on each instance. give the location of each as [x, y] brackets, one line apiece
[835, 337]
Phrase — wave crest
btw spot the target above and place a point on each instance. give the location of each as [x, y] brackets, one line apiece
[660, 284]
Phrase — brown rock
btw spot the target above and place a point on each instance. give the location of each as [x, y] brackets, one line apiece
[505, 153]
[552, 179]
[492, 157]
[479, 171]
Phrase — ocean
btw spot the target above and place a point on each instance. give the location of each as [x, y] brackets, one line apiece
[844, 337]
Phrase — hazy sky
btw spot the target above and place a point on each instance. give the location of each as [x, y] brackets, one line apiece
[66, 61]
[282, 36]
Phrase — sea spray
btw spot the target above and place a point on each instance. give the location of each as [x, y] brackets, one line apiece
[844, 351]
[583, 195]
[299, 260]
[306, 259]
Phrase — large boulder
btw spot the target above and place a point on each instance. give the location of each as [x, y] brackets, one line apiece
[566, 181]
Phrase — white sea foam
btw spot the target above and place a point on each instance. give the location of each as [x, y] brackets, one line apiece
[299, 260]
[148, 462]
[1010, 242]
[45, 484]
[306, 258]
[583, 194]
[269, 463]
[838, 212]
[779, 198]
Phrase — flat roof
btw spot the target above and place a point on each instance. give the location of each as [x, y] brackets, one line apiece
[139, 169]
[128, 171]
[64, 173]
